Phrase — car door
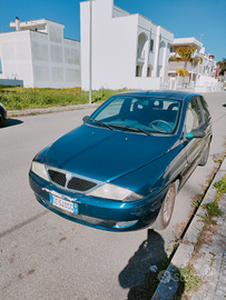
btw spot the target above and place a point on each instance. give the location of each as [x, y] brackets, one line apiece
[193, 146]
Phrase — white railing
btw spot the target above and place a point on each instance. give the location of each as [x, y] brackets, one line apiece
[173, 65]
[192, 87]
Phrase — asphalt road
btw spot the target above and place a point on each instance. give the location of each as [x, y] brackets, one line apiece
[43, 256]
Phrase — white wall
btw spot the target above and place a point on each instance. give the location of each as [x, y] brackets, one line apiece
[56, 61]
[41, 59]
[114, 47]
[15, 53]
[206, 84]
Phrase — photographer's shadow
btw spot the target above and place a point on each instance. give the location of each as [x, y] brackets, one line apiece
[137, 275]
[150, 253]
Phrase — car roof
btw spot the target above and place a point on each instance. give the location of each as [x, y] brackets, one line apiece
[166, 94]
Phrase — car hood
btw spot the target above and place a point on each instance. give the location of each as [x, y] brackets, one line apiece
[105, 154]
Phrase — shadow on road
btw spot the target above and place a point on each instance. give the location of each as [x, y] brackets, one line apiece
[137, 275]
[11, 122]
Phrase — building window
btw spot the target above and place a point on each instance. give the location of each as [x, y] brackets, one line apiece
[151, 45]
[0, 66]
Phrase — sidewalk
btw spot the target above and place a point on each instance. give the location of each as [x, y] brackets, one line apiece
[208, 260]
[37, 111]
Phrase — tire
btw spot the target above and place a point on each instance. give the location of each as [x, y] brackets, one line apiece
[205, 156]
[166, 211]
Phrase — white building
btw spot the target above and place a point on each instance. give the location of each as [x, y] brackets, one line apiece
[193, 68]
[127, 50]
[37, 53]
[201, 76]
[209, 65]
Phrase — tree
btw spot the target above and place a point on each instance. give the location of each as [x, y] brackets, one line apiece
[186, 54]
[181, 72]
[222, 65]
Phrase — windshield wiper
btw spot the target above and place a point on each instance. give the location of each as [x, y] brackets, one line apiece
[101, 124]
[130, 128]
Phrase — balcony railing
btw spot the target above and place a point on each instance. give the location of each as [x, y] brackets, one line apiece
[173, 65]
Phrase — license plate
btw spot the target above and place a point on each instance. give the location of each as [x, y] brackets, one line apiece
[63, 204]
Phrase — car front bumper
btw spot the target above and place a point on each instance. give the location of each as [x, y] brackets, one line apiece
[95, 212]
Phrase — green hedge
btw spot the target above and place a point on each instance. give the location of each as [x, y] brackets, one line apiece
[17, 98]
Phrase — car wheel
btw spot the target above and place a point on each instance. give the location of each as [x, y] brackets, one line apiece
[166, 210]
[205, 156]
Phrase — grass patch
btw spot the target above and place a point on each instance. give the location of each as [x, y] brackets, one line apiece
[212, 211]
[212, 208]
[220, 186]
[17, 98]
[198, 201]
[187, 281]
[186, 278]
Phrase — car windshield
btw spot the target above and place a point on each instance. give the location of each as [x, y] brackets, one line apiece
[145, 115]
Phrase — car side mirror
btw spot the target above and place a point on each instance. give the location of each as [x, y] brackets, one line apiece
[85, 119]
[196, 133]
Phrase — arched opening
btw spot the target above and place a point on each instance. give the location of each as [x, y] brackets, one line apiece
[142, 42]
[162, 47]
[161, 59]
[149, 70]
[139, 69]
[142, 55]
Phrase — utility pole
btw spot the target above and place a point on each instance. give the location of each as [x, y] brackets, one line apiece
[90, 53]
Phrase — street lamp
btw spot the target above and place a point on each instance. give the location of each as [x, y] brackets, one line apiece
[90, 53]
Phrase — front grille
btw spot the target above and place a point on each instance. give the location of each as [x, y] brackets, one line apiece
[71, 181]
[57, 177]
[81, 185]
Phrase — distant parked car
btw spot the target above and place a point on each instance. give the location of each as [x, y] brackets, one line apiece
[3, 114]
[122, 169]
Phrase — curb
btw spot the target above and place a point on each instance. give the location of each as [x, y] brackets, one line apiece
[168, 285]
[48, 110]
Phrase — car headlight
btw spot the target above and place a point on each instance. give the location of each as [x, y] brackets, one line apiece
[113, 192]
[40, 170]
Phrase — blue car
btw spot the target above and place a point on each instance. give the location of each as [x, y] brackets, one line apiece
[123, 167]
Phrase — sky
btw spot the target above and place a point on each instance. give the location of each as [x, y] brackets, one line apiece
[184, 18]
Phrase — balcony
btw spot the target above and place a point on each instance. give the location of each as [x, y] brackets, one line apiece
[173, 65]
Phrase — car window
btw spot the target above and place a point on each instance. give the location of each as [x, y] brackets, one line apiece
[193, 115]
[113, 110]
[154, 115]
[206, 112]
